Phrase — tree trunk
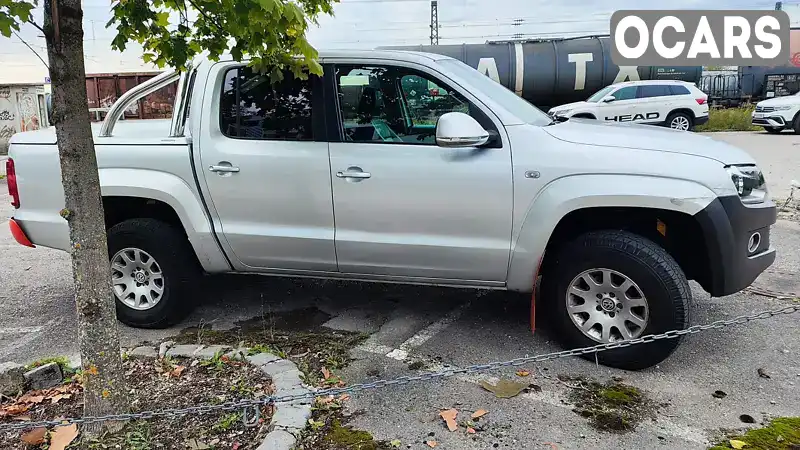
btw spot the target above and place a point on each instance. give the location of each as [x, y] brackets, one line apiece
[105, 391]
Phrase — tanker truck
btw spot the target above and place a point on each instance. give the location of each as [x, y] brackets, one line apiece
[553, 72]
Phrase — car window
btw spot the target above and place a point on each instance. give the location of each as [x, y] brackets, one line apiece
[597, 96]
[395, 105]
[626, 93]
[678, 90]
[654, 90]
[252, 107]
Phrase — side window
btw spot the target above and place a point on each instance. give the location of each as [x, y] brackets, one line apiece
[678, 90]
[395, 105]
[626, 93]
[654, 90]
[251, 107]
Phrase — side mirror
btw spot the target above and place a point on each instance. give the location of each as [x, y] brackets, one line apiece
[456, 129]
[609, 99]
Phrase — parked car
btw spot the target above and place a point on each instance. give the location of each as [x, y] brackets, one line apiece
[482, 190]
[675, 104]
[778, 114]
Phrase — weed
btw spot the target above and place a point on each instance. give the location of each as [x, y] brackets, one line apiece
[217, 362]
[227, 422]
[730, 119]
[62, 362]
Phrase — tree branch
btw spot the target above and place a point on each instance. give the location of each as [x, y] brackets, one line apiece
[36, 25]
[201, 11]
[31, 49]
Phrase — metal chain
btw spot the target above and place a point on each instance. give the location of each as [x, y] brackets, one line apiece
[245, 404]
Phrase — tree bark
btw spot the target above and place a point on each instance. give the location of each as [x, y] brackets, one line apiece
[104, 385]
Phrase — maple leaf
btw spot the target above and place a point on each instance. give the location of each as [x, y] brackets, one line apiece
[61, 437]
[34, 437]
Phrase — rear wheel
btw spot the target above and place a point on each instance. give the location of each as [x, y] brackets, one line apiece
[772, 130]
[680, 121]
[613, 286]
[153, 272]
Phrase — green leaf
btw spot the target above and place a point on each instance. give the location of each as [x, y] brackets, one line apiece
[162, 19]
[267, 5]
[148, 57]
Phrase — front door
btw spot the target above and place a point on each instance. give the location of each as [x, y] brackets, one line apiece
[266, 167]
[624, 108]
[404, 206]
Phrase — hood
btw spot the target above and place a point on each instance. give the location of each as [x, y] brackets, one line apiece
[778, 101]
[572, 105]
[647, 137]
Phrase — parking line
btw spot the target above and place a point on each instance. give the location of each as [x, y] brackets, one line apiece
[425, 334]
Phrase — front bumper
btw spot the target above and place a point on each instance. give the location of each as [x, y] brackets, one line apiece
[731, 230]
[770, 121]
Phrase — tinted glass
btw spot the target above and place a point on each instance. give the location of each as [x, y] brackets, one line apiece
[394, 105]
[252, 107]
[597, 96]
[654, 90]
[678, 90]
[626, 93]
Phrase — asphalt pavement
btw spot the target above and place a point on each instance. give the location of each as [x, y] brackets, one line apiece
[450, 327]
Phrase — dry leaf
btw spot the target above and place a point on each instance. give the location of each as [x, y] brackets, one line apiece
[326, 373]
[504, 388]
[61, 437]
[523, 373]
[35, 436]
[176, 372]
[479, 413]
[13, 410]
[737, 444]
[470, 430]
[449, 417]
[58, 397]
[432, 444]
[344, 397]
[92, 370]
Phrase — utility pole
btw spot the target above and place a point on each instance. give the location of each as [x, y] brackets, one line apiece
[434, 22]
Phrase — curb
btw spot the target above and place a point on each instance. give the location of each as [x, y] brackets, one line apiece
[288, 420]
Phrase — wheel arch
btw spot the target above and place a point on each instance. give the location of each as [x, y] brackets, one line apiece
[552, 216]
[138, 193]
[585, 115]
[687, 111]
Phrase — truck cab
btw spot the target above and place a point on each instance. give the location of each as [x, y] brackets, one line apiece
[408, 167]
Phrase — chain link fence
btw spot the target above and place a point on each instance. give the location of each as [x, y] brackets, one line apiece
[250, 408]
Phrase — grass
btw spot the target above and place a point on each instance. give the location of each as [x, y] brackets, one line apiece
[62, 362]
[730, 119]
[780, 434]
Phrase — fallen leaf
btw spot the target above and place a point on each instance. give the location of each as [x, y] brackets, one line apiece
[504, 388]
[35, 436]
[344, 397]
[396, 443]
[58, 397]
[326, 373]
[195, 444]
[14, 410]
[61, 437]
[91, 370]
[432, 444]
[471, 430]
[763, 373]
[737, 444]
[449, 417]
[176, 372]
[479, 413]
[523, 373]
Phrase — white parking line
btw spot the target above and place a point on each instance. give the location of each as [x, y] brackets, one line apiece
[425, 334]
[18, 330]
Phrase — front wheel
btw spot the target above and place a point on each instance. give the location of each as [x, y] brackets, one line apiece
[680, 121]
[153, 272]
[613, 286]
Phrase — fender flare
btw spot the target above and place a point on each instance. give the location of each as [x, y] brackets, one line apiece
[565, 195]
[175, 192]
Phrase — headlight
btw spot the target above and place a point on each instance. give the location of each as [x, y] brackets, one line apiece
[561, 112]
[783, 108]
[749, 183]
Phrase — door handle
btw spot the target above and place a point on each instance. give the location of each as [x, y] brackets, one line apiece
[223, 169]
[354, 174]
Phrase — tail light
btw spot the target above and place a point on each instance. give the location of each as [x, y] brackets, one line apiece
[11, 175]
[701, 101]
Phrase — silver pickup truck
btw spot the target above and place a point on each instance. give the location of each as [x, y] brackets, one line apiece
[413, 168]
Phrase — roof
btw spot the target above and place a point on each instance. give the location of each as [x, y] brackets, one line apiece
[397, 55]
[635, 83]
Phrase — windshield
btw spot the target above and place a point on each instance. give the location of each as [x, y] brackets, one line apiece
[507, 99]
[600, 94]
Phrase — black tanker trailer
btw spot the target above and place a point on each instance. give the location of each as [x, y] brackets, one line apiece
[552, 72]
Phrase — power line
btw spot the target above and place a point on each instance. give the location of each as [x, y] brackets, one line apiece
[31, 49]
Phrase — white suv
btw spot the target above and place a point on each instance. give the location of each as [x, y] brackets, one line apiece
[675, 104]
[778, 114]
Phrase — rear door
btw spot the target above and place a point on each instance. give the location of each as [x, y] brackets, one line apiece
[405, 207]
[623, 108]
[265, 163]
[655, 103]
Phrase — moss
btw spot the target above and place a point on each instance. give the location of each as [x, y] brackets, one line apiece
[345, 437]
[62, 362]
[620, 395]
[612, 406]
[781, 434]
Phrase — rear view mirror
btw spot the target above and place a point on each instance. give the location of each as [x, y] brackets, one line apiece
[456, 129]
[609, 99]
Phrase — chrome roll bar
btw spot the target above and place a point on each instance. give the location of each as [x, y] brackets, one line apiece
[140, 90]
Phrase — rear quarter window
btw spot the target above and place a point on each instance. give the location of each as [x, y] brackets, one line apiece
[679, 90]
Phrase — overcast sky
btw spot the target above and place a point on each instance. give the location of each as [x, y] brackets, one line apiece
[370, 23]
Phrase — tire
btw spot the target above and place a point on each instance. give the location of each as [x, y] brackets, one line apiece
[175, 262]
[653, 271]
[772, 130]
[680, 119]
[796, 124]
